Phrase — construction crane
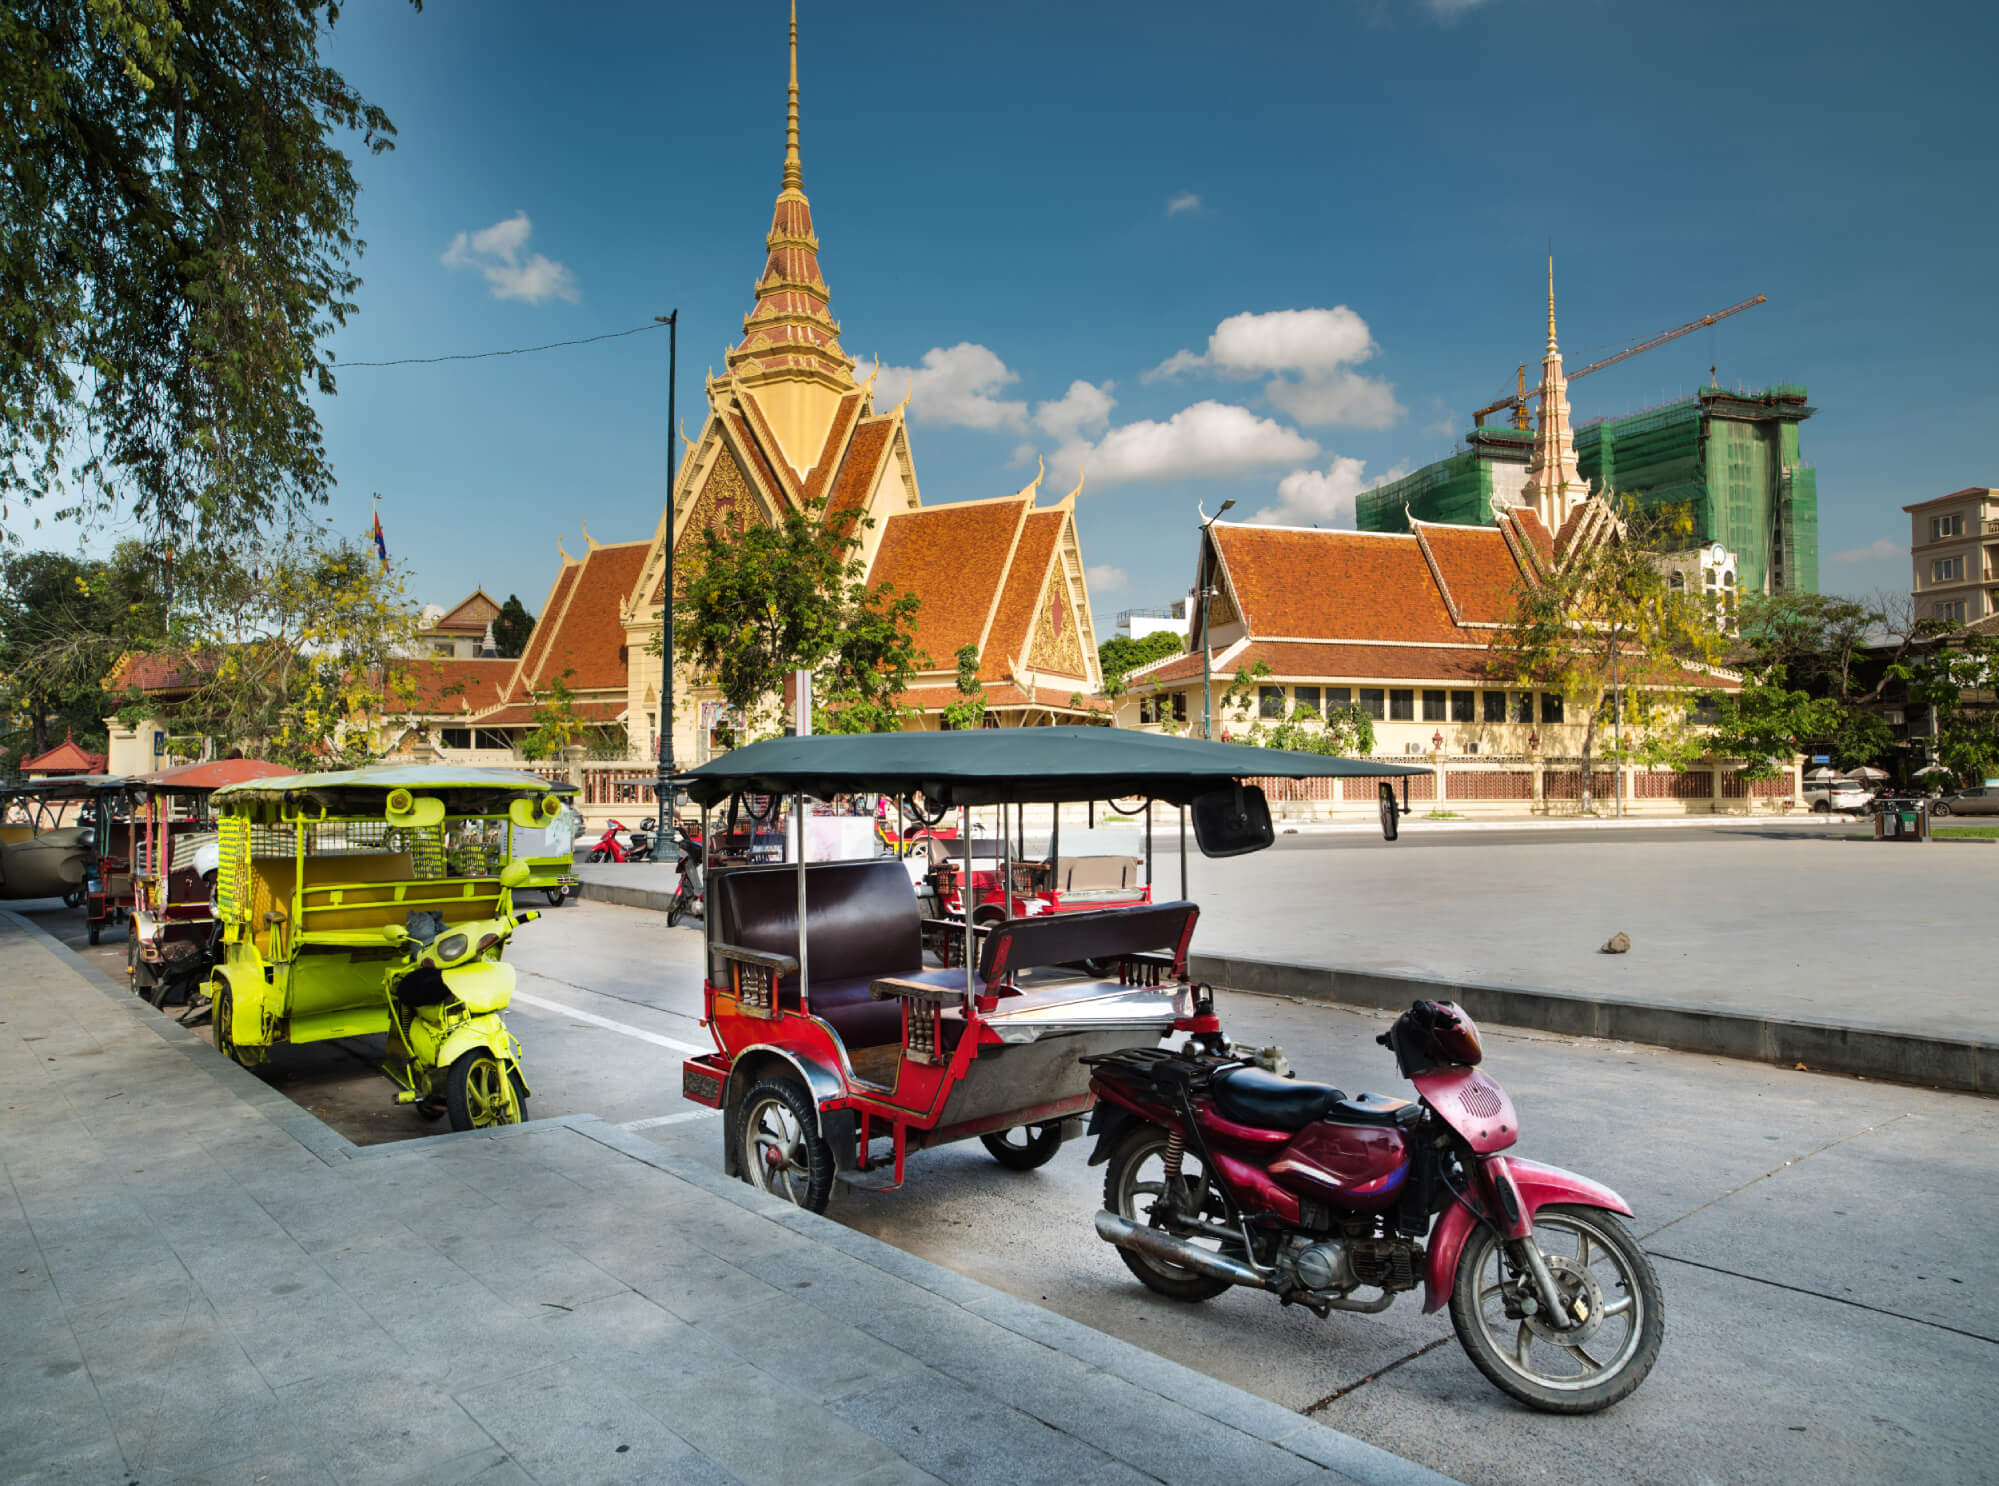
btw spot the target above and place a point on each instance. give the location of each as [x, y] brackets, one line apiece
[1518, 401]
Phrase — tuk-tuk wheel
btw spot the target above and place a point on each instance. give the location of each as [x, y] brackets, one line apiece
[1024, 1147]
[557, 897]
[475, 1094]
[225, 1037]
[779, 1145]
[73, 898]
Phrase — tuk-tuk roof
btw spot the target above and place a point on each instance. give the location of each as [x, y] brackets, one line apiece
[355, 786]
[992, 766]
[212, 775]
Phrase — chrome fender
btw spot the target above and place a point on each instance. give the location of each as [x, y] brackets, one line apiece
[1536, 1184]
[750, 1065]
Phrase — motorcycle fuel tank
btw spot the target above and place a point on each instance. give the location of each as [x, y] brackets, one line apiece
[1360, 1166]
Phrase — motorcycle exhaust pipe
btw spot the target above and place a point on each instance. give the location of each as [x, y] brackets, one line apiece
[1126, 1234]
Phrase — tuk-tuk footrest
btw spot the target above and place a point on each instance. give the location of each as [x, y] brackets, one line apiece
[880, 1179]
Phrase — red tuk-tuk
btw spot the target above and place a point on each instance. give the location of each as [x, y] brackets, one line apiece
[173, 937]
[830, 1039]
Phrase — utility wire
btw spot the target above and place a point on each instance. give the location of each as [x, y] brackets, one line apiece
[486, 355]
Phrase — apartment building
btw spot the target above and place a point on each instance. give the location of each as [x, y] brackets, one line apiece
[1954, 556]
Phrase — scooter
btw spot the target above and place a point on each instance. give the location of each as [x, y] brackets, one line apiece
[620, 843]
[690, 889]
[1222, 1173]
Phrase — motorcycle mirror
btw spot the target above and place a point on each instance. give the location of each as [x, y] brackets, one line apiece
[1391, 814]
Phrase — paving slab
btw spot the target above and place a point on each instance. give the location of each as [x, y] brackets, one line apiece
[207, 1283]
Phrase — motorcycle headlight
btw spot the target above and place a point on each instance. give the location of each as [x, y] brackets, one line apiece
[453, 948]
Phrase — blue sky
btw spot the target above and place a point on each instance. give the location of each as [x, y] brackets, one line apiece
[1030, 210]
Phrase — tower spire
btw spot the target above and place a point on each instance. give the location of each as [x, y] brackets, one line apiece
[794, 173]
[1554, 485]
[1551, 256]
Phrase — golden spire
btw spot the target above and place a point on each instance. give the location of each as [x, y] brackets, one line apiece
[1551, 296]
[794, 174]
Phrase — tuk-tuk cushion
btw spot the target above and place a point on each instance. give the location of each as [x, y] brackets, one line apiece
[1021, 944]
[1100, 874]
[861, 924]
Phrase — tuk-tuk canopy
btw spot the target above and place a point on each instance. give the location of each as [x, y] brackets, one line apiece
[344, 791]
[993, 766]
[198, 779]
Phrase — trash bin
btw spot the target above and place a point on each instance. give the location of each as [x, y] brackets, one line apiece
[1901, 820]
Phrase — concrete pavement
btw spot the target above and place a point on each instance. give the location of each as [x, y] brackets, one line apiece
[204, 1282]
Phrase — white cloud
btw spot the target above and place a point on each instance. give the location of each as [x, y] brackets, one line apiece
[1874, 551]
[1083, 409]
[1186, 201]
[496, 252]
[1104, 579]
[1205, 441]
[1323, 497]
[1309, 356]
[955, 385]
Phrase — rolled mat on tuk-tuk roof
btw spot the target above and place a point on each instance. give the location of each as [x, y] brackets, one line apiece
[474, 791]
[995, 766]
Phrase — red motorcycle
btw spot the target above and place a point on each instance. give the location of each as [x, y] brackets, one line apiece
[690, 886]
[620, 843]
[1222, 1173]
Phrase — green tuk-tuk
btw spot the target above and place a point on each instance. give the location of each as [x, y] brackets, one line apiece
[379, 901]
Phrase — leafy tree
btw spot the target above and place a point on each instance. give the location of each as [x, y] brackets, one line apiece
[767, 600]
[1957, 678]
[64, 621]
[1344, 732]
[176, 242]
[969, 711]
[1120, 655]
[297, 651]
[512, 626]
[556, 723]
[1806, 659]
[1603, 630]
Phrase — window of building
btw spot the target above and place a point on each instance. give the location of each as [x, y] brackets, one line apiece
[1179, 706]
[1951, 611]
[491, 738]
[1495, 706]
[1145, 713]
[1946, 526]
[456, 737]
[1338, 696]
[1373, 702]
[1551, 706]
[1676, 580]
[1402, 704]
[1523, 706]
[1461, 706]
[1433, 706]
[1306, 696]
[1270, 701]
[1947, 570]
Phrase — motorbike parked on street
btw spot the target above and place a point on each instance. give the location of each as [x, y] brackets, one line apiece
[620, 843]
[690, 887]
[1221, 1173]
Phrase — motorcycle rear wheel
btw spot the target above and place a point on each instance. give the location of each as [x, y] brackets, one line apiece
[1024, 1147]
[1133, 1183]
[1598, 1364]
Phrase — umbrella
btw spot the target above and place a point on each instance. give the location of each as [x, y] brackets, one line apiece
[1823, 773]
[1866, 771]
[1931, 769]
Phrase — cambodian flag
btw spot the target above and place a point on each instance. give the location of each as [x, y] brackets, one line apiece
[381, 542]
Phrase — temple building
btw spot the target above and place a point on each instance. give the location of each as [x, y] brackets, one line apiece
[790, 428]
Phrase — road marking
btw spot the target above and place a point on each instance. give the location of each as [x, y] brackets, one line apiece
[605, 1022]
[673, 1119]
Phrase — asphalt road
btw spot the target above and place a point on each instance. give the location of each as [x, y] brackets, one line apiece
[1831, 1290]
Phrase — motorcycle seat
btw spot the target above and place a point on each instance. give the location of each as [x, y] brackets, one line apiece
[1254, 1096]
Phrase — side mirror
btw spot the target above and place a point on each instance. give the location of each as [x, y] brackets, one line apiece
[1391, 814]
[514, 874]
[1232, 822]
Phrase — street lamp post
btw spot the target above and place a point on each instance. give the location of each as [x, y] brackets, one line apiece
[1207, 592]
[672, 324]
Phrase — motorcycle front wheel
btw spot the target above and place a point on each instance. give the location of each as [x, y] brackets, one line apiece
[1593, 1259]
[1134, 1183]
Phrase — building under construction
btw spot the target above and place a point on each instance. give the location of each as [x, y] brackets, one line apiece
[1731, 458]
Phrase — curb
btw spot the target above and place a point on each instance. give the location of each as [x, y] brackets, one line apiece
[1825, 1047]
[625, 897]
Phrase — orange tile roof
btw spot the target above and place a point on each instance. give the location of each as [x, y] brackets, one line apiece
[1479, 572]
[1527, 522]
[1333, 584]
[779, 492]
[67, 757]
[1471, 665]
[447, 687]
[544, 629]
[857, 470]
[819, 479]
[470, 615]
[1013, 621]
[770, 451]
[589, 632]
[521, 714]
[1005, 694]
[954, 556]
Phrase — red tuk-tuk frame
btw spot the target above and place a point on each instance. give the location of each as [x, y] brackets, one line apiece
[809, 1072]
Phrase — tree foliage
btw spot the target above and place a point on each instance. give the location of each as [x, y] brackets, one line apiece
[511, 627]
[1605, 631]
[176, 242]
[64, 621]
[556, 721]
[296, 650]
[767, 600]
[1809, 684]
[1120, 655]
[969, 711]
[1958, 676]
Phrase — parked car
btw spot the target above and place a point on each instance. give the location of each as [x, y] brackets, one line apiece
[1978, 801]
[1825, 795]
